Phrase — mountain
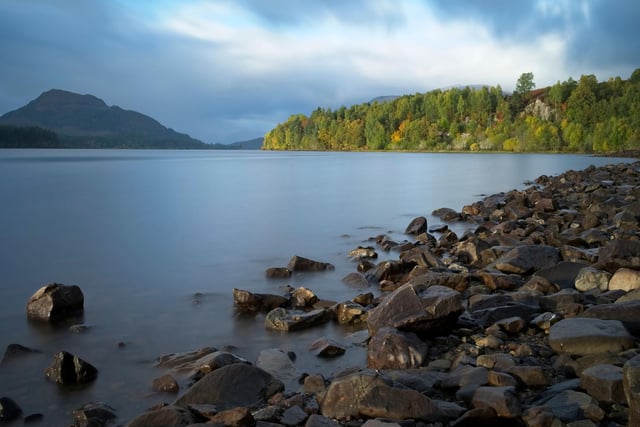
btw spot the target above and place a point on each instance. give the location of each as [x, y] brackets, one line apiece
[250, 144]
[85, 121]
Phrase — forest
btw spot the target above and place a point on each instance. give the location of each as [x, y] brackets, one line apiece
[571, 116]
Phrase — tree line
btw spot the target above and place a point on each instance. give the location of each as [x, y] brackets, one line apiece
[570, 116]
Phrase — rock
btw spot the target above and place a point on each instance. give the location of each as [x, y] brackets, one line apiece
[572, 405]
[277, 273]
[351, 313]
[279, 364]
[631, 383]
[364, 299]
[164, 416]
[563, 274]
[433, 310]
[16, 351]
[93, 414]
[590, 278]
[55, 302]
[417, 226]
[316, 420]
[531, 376]
[232, 386]
[68, 369]
[502, 399]
[604, 383]
[392, 349]
[546, 320]
[249, 302]
[501, 379]
[302, 297]
[9, 410]
[527, 259]
[496, 361]
[298, 263]
[182, 360]
[165, 384]
[512, 325]
[422, 256]
[293, 416]
[325, 347]
[389, 270]
[363, 252]
[367, 394]
[357, 280]
[292, 320]
[235, 417]
[625, 279]
[465, 375]
[627, 312]
[584, 336]
[619, 253]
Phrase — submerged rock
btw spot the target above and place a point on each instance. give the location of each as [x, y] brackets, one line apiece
[298, 263]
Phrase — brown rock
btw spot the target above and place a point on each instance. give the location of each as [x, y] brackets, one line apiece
[236, 417]
[631, 382]
[501, 399]
[68, 369]
[619, 253]
[625, 279]
[392, 349]
[604, 383]
[325, 347]
[55, 302]
[298, 263]
[166, 384]
[417, 226]
[277, 273]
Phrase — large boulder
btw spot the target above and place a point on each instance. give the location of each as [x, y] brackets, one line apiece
[298, 263]
[619, 253]
[55, 302]
[291, 320]
[628, 312]
[572, 405]
[527, 259]
[583, 336]
[368, 394]
[431, 310]
[604, 383]
[279, 364]
[68, 369]
[392, 349]
[232, 386]
[417, 226]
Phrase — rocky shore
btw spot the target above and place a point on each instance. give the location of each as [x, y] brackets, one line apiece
[530, 318]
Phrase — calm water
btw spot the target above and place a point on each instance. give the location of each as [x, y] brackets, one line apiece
[141, 232]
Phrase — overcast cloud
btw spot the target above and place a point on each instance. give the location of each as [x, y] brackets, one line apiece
[224, 71]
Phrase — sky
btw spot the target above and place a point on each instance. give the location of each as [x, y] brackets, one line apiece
[231, 70]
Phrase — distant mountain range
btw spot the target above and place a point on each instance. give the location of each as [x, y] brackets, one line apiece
[59, 118]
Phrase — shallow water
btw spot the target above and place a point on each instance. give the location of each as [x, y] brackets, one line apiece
[158, 239]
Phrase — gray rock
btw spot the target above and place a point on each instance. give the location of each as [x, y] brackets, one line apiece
[162, 417]
[527, 259]
[325, 347]
[563, 274]
[584, 336]
[604, 383]
[631, 383]
[619, 253]
[291, 320]
[626, 312]
[233, 386]
[277, 273]
[298, 263]
[16, 351]
[392, 349]
[572, 405]
[55, 302]
[367, 394]
[465, 375]
[589, 278]
[180, 360]
[94, 414]
[502, 399]
[316, 420]
[294, 416]
[356, 280]
[68, 369]
[279, 364]
[165, 384]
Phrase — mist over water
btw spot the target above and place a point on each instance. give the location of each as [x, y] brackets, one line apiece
[157, 240]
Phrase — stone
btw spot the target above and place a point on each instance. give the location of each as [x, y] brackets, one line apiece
[294, 416]
[94, 414]
[465, 375]
[562, 274]
[363, 252]
[527, 259]
[316, 420]
[501, 379]
[496, 361]
[162, 417]
[367, 394]
[166, 384]
[531, 376]
[625, 279]
[180, 360]
[502, 399]
[364, 299]
[627, 312]
[584, 336]
[417, 226]
[280, 365]
[392, 349]
[9, 410]
[298, 263]
[68, 369]
[512, 325]
[619, 253]
[356, 280]
[234, 417]
[433, 310]
[604, 383]
[314, 384]
[589, 278]
[631, 383]
[422, 256]
[325, 347]
[351, 313]
[277, 273]
[249, 302]
[302, 298]
[16, 351]
[546, 320]
[55, 302]
[291, 320]
[573, 405]
[232, 386]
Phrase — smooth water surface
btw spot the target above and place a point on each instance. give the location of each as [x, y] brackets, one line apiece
[157, 240]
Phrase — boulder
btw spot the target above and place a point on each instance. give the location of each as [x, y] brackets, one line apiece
[277, 273]
[165, 384]
[583, 336]
[235, 417]
[562, 274]
[249, 302]
[363, 252]
[293, 416]
[589, 278]
[367, 394]
[625, 279]
[417, 226]
[68, 369]
[55, 302]
[291, 320]
[183, 360]
[619, 253]
[9, 410]
[604, 383]
[356, 280]
[433, 310]
[465, 375]
[392, 349]
[325, 347]
[316, 420]
[302, 297]
[163, 417]
[527, 259]
[280, 365]
[627, 312]
[502, 399]
[631, 383]
[232, 386]
[298, 263]
[572, 405]
[351, 313]
[94, 414]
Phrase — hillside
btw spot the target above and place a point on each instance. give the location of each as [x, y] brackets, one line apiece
[85, 121]
[570, 116]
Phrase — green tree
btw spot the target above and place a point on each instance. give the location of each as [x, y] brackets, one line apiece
[525, 83]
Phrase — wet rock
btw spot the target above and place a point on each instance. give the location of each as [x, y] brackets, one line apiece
[417, 226]
[364, 299]
[367, 394]
[502, 399]
[433, 310]
[363, 252]
[351, 313]
[365, 265]
[631, 383]
[584, 336]
[180, 360]
[233, 386]
[55, 302]
[422, 256]
[625, 279]
[16, 351]
[249, 302]
[94, 414]
[390, 270]
[278, 273]
[589, 278]
[9, 410]
[280, 365]
[291, 320]
[572, 405]
[325, 347]
[527, 259]
[604, 383]
[501, 379]
[235, 417]
[356, 280]
[165, 384]
[164, 416]
[68, 369]
[298, 263]
[511, 325]
[392, 349]
[619, 253]
[302, 297]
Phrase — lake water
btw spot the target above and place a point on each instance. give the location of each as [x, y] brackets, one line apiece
[157, 240]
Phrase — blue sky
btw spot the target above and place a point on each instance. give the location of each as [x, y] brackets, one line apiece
[225, 71]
